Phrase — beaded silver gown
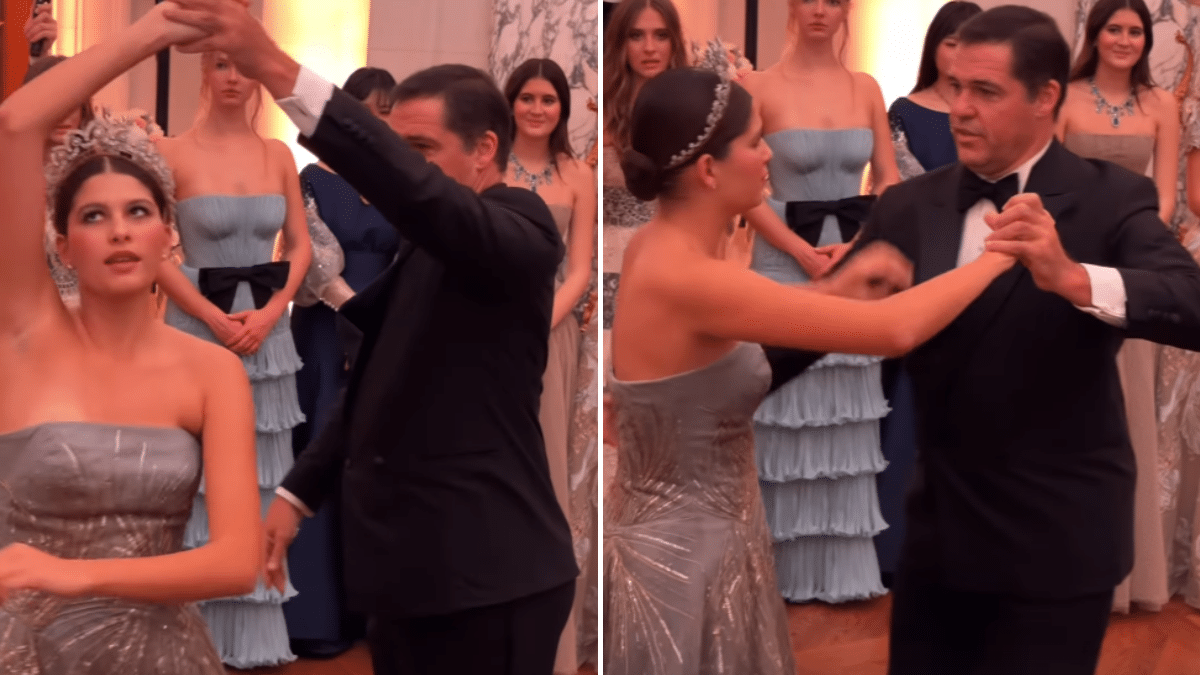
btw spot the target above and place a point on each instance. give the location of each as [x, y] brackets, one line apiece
[690, 579]
[85, 490]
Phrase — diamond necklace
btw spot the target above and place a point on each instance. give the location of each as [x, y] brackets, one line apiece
[535, 179]
[1103, 107]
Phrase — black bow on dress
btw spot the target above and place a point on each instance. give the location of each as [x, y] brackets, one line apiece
[219, 284]
[806, 218]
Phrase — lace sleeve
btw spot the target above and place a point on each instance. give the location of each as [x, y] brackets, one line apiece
[328, 262]
[906, 161]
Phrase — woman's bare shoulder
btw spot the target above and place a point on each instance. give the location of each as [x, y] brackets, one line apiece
[211, 365]
[576, 173]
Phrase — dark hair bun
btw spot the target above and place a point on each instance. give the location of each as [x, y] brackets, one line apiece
[642, 176]
[671, 115]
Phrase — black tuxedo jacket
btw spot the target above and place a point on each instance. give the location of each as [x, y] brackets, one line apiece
[1024, 480]
[446, 496]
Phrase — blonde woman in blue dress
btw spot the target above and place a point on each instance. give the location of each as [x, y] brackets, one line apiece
[237, 191]
[818, 445]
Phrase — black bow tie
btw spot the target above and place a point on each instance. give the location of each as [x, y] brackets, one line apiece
[972, 188]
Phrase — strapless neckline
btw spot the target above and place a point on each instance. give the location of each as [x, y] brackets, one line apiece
[816, 130]
[258, 196]
[682, 375]
[33, 428]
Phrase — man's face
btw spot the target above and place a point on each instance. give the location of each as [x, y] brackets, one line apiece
[993, 121]
[422, 123]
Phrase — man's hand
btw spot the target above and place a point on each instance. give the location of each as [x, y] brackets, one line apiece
[1026, 231]
[41, 26]
[877, 271]
[232, 30]
[282, 523]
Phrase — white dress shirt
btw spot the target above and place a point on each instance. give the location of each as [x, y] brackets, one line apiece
[1108, 288]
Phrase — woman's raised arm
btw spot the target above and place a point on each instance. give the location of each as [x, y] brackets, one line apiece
[27, 118]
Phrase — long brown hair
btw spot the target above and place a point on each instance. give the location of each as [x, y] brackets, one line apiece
[619, 84]
[560, 142]
[1089, 56]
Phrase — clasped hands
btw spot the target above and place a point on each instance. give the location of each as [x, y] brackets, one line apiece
[243, 332]
[1025, 230]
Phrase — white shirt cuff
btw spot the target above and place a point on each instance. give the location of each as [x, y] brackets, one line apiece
[294, 501]
[1108, 295]
[307, 101]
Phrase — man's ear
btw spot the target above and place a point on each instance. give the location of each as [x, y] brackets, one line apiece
[1047, 98]
[486, 148]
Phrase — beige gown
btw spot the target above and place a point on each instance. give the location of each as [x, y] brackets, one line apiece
[1137, 363]
[557, 417]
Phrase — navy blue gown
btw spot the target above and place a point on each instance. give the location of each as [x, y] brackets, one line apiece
[317, 620]
[930, 141]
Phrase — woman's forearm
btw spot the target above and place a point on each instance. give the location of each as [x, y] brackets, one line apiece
[766, 223]
[183, 293]
[39, 106]
[212, 571]
[567, 296]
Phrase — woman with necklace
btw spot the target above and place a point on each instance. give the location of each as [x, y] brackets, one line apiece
[1114, 112]
[542, 160]
[237, 191]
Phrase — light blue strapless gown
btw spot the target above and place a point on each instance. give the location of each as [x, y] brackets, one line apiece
[817, 437]
[240, 231]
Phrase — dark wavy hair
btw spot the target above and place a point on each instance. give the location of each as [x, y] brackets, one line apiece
[945, 23]
[619, 85]
[670, 114]
[1097, 18]
[560, 142]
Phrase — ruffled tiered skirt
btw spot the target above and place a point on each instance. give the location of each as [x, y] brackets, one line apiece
[250, 631]
[817, 447]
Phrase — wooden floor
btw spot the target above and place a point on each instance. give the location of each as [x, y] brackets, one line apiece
[852, 639]
[357, 661]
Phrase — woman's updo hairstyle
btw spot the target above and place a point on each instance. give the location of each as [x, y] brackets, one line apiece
[670, 114]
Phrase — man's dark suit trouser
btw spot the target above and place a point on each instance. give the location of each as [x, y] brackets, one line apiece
[939, 631]
[519, 637]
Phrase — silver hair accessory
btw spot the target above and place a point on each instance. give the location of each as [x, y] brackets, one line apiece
[109, 135]
[716, 59]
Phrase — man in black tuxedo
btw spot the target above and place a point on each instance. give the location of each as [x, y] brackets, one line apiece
[454, 543]
[1021, 510]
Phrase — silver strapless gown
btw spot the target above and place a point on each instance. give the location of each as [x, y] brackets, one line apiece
[83, 490]
[690, 579]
